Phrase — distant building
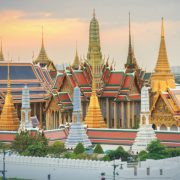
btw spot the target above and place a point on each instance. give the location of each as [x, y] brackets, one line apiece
[176, 71]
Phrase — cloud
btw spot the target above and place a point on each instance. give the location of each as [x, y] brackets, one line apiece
[21, 34]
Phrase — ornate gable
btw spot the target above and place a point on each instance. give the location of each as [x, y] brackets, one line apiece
[161, 114]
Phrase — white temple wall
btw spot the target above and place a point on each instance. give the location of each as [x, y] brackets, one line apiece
[68, 169]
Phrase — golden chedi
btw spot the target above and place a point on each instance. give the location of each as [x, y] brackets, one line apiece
[94, 118]
[162, 78]
[9, 120]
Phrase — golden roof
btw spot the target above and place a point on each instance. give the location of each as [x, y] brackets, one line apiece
[9, 120]
[94, 118]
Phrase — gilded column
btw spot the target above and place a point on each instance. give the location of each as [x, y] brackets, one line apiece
[40, 116]
[60, 118]
[122, 114]
[35, 112]
[128, 115]
[115, 115]
[47, 119]
[132, 115]
[107, 112]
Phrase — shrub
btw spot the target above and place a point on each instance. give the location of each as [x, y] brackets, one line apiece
[156, 147]
[98, 149]
[79, 148]
[30, 145]
[143, 155]
[57, 148]
[118, 153]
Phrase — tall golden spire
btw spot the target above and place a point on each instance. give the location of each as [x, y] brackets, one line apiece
[76, 62]
[162, 78]
[42, 58]
[94, 118]
[131, 64]
[9, 120]
[162, 62]
[1, 53]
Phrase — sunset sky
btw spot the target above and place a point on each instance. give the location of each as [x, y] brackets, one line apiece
[65, 22]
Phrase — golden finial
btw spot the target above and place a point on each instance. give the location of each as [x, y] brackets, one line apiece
[162, 28]
[1, 44]
[42, 36]
[94, 13]
[8, 80]
[93, 80]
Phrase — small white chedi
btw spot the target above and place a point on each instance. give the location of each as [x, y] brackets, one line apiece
[77, 133]
[145, 133]
[26, 123]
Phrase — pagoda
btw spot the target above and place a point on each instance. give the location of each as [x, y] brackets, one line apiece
[43, 59]
[94, 118]
[131, 63]
[94, 50]
[162, 78]
[76, 62]
[9, 120]
[77, 133]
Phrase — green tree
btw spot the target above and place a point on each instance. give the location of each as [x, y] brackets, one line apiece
[118, 153]
[143, 155]
[30, 145]
[156, 147]
[98, 149]
[57, 148]
[79, 148]
[22, 141]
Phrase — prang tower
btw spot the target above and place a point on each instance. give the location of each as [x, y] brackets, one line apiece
[94, 50]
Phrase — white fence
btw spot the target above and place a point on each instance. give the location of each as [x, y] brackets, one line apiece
[68, 169]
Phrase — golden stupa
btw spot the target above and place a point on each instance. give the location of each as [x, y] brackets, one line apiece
[94, 118]
[9, 120]
[162, 78]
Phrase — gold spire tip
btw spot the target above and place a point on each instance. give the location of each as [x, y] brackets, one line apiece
[162, 28]
[94, 13]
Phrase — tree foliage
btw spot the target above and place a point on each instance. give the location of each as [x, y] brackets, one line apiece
[79, 148]
[117, 154]
[156, 150]
[98, 149]
[57, 148]
[31, 145]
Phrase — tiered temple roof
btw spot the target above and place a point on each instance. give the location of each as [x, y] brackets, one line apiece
[43, 60]
[37, 79]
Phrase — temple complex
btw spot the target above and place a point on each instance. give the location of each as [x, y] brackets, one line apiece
[165, 101]
[118, 91]
[43, 59]
[9, 120]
